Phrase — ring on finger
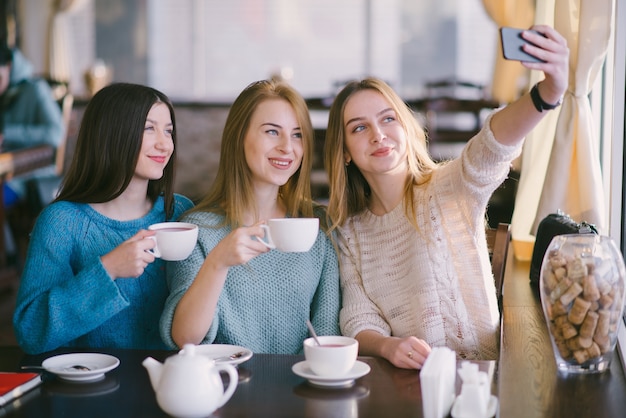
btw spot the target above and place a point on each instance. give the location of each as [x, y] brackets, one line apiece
[410, 354]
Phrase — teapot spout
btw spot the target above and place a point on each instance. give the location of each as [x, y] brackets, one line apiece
[155, 369]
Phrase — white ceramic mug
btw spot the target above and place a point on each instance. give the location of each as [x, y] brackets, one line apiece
[174, 240]
[291, 234]
[333, 358]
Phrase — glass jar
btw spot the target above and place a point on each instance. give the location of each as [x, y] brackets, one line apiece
[582, 294]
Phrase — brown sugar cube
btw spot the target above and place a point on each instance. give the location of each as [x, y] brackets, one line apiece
[578, 311]
[570, 294]
[557, 260]
[581, 356]
[568, 330]
[558, 291]
[550, 280]
[604, 321]
[560, 273]
[605, 301]
[559, 309]
[584, 342]
[573, 344]
[604, 343]
[594, 350]
[588, 327]
[590, 288]
[576, 269]
[564, 351]
[561, 320]
[591, 267]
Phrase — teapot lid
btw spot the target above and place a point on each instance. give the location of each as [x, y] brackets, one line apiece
[188, 355]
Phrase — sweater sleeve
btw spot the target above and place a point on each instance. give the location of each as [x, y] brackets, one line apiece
[57, 303]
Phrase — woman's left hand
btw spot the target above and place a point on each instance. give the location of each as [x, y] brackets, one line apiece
[551, 47]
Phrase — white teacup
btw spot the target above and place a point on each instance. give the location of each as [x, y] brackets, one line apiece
[291, 234]
[333, 358]
[174, 240]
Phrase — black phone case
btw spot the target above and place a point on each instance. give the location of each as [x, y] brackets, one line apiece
[512, 45]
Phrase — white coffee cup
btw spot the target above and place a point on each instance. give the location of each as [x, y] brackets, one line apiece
[291, 234]
[333, 358]
[174, 240]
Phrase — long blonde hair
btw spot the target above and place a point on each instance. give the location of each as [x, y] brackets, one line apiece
[349, 191]
[232, 192]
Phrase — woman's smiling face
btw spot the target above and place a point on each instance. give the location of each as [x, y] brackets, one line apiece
[273, 143]
[375, 139]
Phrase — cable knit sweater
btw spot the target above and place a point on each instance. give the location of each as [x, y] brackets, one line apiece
[66, 297]
[435, 283]
[264, 304]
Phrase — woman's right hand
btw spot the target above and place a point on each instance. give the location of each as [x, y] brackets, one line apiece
[131, 257]
[406, 352]
[240, 246]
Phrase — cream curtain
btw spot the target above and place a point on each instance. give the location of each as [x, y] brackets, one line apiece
[560, 162]
[58, 51]
[509, 77]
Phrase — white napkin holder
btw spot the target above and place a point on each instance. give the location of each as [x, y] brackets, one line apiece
[437, 380]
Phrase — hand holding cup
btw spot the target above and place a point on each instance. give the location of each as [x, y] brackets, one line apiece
[290, 234]
[174, 240]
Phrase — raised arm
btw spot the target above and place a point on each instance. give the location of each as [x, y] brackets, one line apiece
[516, 120]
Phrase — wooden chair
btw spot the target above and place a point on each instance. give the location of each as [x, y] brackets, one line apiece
[498, 240]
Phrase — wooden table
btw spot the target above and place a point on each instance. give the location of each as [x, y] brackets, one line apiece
[525, 380]
[267, 388]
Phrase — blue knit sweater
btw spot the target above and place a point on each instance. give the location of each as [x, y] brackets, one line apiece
[66, 297]
[264, 305]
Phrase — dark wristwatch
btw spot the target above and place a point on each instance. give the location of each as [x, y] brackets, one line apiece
[540, 105]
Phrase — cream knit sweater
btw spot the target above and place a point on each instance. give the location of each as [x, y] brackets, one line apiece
[435, 283]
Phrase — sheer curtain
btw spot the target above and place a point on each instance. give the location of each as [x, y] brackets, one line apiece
[58, 51]
[509, 76]
[560, 160]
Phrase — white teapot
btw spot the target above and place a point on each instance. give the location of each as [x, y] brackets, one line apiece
[189, 385]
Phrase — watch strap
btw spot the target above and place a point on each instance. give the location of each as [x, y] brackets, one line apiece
[540, 105]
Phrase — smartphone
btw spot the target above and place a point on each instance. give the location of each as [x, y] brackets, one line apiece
[512, 42]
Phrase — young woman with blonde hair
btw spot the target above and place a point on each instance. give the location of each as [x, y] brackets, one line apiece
[415, 270]
[232, 289]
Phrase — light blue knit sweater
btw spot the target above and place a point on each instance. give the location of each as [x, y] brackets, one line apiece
[264, 305]
[67, 299]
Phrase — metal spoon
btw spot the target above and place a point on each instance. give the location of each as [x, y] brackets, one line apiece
[233, 356]
[312, 331]
[74, 367]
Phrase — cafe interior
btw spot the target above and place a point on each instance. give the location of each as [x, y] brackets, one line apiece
[445, 59]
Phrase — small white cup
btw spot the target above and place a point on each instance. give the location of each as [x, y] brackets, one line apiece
[291, 235]
[174, 240]
[333, 358]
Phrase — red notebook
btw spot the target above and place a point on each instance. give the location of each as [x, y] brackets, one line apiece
[13, 385]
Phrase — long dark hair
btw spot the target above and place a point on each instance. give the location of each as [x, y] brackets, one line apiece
[108, 145]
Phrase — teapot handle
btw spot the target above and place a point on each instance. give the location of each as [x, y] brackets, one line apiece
[232, 382]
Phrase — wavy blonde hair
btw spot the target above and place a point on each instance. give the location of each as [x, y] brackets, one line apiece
[349, 191]
[232, 192]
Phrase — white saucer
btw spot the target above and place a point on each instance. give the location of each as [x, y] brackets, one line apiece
[98, 364]
[360, 369]
[220, 352]
[492, 406]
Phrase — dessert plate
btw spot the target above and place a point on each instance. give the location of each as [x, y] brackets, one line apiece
[224, 353]
[360, 369]
[80, 367]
